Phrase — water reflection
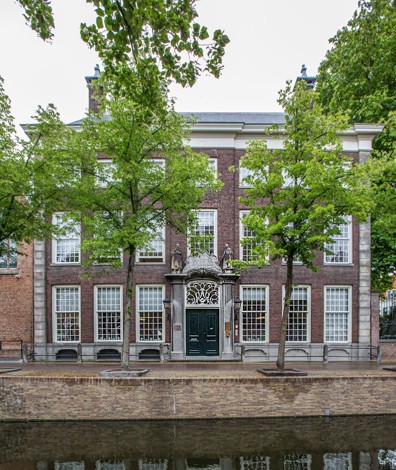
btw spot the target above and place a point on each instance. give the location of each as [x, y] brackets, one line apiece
[362, 443]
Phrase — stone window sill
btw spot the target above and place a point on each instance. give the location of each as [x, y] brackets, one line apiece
[9, 271]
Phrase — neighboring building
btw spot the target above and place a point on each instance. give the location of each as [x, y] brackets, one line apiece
[16, 300]
[210, 313]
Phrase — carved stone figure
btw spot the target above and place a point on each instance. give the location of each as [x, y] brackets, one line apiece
[177, 260]
[226, 259]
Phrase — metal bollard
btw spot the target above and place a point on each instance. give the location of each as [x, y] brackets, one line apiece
[325, 354]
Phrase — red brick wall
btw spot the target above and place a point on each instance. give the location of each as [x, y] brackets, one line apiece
[388, 349]
[16, 298]
[228, 211]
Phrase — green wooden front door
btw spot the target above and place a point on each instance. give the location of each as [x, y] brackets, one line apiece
[202, 332]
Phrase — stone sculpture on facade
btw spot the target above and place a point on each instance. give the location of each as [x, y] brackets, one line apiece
[177, 260]
[226, 259]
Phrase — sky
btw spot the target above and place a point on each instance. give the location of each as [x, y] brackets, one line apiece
[270, 40]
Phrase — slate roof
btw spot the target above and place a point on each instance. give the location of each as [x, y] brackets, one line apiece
[244, 118]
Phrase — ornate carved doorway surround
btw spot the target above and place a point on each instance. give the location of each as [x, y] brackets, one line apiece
[202, 310]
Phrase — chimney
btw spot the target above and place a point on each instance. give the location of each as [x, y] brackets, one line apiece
[310, 80]
[93, 103]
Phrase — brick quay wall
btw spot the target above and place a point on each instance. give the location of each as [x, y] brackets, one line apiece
[49, 398]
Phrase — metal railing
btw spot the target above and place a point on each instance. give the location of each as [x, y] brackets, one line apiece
[104, 353]
[326, 354]
[387, 314]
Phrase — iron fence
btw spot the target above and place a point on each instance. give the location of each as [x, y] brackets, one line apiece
[387, 312]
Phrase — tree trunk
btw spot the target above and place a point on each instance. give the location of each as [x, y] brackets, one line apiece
[128, 309]
[280, 363]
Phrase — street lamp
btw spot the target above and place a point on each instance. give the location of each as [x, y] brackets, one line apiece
[167, 306]
[237, 307]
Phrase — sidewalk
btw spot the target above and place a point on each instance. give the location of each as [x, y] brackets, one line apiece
[170, 370]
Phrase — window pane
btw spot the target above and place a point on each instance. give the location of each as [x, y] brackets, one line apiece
[12, 255]
[254, 312]
[67, 246]
[341, 246]
[203, 237]
[68, 251]
[67, 313]
[108, 305]
[150, 314]
[297, 326]
[297, 461]
[9, 257]
[246, 249]
[105, 173]
[340, 461]
[155, 249]
[337, 314]
[258, 462]
[243, 173]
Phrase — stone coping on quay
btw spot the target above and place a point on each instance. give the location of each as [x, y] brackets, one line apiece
[170, 370]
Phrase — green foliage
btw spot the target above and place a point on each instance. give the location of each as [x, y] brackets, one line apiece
[145, 176]
[38, 15]
[358, 74]
[383, 237]
[154, 178]
[300, 194]
[35, 175]
[160, 38]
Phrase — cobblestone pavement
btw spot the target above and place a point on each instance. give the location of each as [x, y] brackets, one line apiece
[198, 369]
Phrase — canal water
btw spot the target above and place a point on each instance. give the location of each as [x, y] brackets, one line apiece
[340, 443]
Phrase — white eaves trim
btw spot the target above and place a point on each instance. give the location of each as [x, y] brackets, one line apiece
[236, 136]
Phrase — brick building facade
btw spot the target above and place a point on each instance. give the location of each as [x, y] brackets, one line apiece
[16, 305]
[210, 313]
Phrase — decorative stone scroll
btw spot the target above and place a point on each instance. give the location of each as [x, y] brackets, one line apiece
[202, 293]
[203, 264]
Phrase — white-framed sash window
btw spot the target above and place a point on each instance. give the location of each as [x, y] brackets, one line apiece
[8, 260]
[204, 236]
[212, 163]
[66, 247]
[337, 314]
[245, 233]
[341, 247]
[154, 252]
[66, 307]
[108, 313]
[298, 325]
[105, 173]
[150, 313]
[254, 313]
[243, 174]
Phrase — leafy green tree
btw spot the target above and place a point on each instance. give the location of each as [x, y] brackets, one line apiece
[358, 73]
[31, 187]
[299, 195]
[39, 16]
[160, 38]
[153, 179]
[383, 227]
[358, 76]
[143, 44]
